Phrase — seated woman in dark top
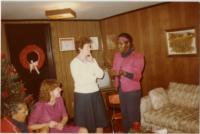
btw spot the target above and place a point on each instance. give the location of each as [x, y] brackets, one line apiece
[17, 122]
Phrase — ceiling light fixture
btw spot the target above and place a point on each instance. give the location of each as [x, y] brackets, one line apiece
[60, 13]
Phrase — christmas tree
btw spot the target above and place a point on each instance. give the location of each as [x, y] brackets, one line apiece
[12, 88]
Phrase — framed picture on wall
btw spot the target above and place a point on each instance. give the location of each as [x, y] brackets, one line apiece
[181, 41]
[111, 41]
[95, 43]
[67, 44]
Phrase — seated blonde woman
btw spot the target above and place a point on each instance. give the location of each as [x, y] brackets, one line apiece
[49, 114]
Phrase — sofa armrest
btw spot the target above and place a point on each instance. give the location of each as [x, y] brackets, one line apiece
[145, 105]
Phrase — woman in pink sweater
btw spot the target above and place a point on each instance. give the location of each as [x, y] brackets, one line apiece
[127, 69]
[49, 113]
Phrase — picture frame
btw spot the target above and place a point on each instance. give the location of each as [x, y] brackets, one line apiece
[111, 41]
[181, 41]
[67, 44]
[95, 43]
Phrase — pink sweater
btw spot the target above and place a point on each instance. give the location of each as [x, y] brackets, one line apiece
[133, 63]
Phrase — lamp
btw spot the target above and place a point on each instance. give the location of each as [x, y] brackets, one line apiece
[60, 13]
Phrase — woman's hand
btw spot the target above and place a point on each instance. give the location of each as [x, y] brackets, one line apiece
[114, 73]
[90, 58]
[60, 126]
[43, 127]
[122, 73]
[52, 124]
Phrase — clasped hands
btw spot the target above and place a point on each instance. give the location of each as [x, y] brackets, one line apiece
[54, 124]
[119, 73]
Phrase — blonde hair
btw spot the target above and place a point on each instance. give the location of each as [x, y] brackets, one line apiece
[46, 87]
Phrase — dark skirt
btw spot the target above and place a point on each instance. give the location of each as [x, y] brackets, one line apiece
[130, 107]
[90, 111]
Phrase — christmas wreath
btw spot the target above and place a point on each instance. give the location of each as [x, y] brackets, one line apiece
[32, 49]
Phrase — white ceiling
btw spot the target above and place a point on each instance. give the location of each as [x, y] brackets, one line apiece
[88, 10]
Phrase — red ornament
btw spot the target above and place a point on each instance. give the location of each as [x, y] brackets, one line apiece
[5, 93]
[29, 49]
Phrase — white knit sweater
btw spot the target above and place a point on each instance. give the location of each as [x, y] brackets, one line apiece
[85, 75]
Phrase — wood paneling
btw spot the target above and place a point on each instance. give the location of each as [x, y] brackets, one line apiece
[147, 26]
[62, 60]
[4, 47]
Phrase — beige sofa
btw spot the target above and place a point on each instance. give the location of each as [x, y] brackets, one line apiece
[176, 108]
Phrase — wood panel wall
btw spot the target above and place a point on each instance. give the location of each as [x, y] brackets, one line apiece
[148, 26]
[62, 29]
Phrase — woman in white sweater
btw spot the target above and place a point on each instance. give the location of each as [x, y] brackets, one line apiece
[89, 106]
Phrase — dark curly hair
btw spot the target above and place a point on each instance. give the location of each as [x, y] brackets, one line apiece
[12, 106]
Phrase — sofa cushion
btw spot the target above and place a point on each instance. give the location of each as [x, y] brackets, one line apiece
[158, 97]
[174, 117]
[184, 95]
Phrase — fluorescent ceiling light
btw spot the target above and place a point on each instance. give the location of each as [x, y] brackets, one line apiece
[60, 13]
